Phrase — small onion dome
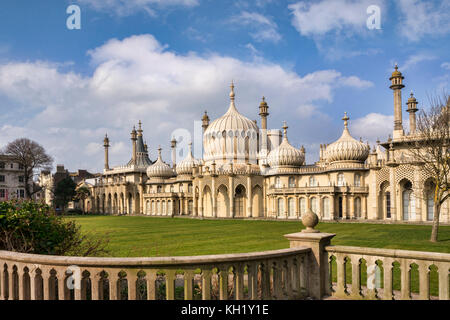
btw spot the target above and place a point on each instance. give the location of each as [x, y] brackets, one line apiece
[285, 155]
[346, 148]
[396, 73]
[159, 169]
[188, 163]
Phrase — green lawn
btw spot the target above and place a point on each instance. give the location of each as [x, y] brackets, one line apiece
[146, 236]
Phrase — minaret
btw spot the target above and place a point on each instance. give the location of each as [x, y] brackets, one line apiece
[263, 112]
[133, 141]
[173, 145]
[106, 145]
[397, 85]
[205, 121]
[412, 109]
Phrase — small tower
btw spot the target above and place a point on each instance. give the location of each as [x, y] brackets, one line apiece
[263, 112]
[133, 142]
[205, 121]
[173, 145]
[397, 86]
[412, 109]
[106, 145]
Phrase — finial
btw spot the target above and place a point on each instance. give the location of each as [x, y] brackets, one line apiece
[285, 127]
[232, 90]
[264, 99]
[412, 94]
[345, 118]
[159, 151]
[140, 125]
[396, 66]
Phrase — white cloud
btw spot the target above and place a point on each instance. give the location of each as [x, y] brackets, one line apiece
[415, 59]
[128, 7]
[424, 18]
[445, 65]
[138, 78]
[264, 29]
[331, 16]
[372, 127]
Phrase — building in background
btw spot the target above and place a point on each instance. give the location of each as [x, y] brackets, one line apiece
[252, 172]
[12, 180]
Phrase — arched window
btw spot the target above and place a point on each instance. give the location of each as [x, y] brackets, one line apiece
[147, 207]
[291, 207]
[408, 201]
[280, 206]
[357, 180]
[159, 189]
[302, 205]
[181, 187]
[388, 204]
[159, 207]
[314, 205]
[169, 207]
[190, 188]
[326, 207]
[430, 206]
[153, 207]
[340, 179]
[163, 211]
[291, 182]
[172, 188]
[277, 182]
[190, 206]
[312, 182]
[358, 207]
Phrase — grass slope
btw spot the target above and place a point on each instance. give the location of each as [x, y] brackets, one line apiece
[146, 236]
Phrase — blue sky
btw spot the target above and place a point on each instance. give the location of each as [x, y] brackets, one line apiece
[165, 62]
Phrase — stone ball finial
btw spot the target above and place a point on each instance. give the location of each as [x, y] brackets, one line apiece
[310, 220]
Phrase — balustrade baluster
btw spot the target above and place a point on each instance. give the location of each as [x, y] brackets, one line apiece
[265, 281]
[443, 280]
[20, 289]
[223, 283]
[277, 281]
[371, 279]
[288, 280]
[424, 281]
[131, 281]
[32, 274]
[253, 281]
[188, 279]
[170, 284]
[239, 282]
[388, 270]
[113, 287]
[206, 284]
[150, 275]
[405, 280]
[356, 277]
[46, 284]
[96, 286]
[341, 289]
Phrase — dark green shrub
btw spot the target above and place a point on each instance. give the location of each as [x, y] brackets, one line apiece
[32, 227]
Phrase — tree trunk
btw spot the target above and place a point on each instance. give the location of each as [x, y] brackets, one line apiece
[435, 228]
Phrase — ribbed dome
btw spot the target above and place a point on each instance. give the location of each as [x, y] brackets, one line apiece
[346, 148]
[188, 163]
[285, 155]
[160, 169]
[224, 133]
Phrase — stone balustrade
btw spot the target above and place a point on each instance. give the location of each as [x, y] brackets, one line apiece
[379, 265]
[278, 274]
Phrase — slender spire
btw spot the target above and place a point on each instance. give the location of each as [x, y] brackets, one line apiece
[345, 118]
[285, 127]
[232, 91]
[140, 128]
[159, 153]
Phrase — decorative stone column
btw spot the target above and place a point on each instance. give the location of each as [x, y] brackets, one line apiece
[318, 282]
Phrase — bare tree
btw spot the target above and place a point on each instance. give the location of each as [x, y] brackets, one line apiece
[31, 156]
[431, 147]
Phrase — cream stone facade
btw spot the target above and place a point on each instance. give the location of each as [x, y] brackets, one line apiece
[253, 172]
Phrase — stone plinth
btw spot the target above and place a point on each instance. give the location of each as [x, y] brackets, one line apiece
[317, 266]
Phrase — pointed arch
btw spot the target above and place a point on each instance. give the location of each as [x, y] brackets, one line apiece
[223, 202]
[257, 202]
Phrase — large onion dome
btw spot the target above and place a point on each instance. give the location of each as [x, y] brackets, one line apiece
[346, 148]
[188, 163]
[285, 155]
[160, 169]
[230, 137]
